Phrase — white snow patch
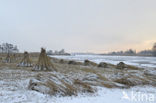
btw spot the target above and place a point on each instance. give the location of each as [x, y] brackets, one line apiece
[103, 95]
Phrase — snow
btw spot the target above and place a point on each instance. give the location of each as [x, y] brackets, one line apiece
[14, 90]
[17, 92]
[20, 94]
[131, 60]
[103, 95]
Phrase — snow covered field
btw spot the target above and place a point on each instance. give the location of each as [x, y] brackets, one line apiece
[132, 60]
[142, 94]
[16, 92]
[14, 88]
[114, 96]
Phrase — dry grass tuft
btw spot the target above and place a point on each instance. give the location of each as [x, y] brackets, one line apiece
[121, 65]
[89, 63]
[126, 82]
[86, 87]
[62, 61]
[103, 64]
[72, 62]
[70, 89]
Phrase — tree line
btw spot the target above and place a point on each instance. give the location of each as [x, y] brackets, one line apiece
[8, 48]
[132, 52]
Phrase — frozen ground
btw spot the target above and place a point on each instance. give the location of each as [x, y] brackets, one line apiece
[14, 85]
[16, 92]
[132, 60]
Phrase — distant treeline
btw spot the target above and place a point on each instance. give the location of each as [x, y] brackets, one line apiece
[131, 52]
[61, 52]
[8, 48]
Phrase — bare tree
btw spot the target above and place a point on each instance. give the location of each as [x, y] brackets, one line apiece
[8, 48]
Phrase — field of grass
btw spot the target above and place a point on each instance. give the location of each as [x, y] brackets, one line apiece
[72, 77]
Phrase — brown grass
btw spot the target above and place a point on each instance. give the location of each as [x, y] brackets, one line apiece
[77, 74]
[44, 62]
[89, 63]
[26, 61]
[86, 87]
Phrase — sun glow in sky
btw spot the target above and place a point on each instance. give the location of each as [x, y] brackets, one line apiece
[79, 25]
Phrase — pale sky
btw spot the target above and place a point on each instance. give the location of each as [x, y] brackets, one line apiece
[97, 26]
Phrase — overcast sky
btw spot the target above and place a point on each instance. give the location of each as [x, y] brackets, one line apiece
[78, 25]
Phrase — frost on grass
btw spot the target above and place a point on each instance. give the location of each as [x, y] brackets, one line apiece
[54, 84]
[72, 79]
